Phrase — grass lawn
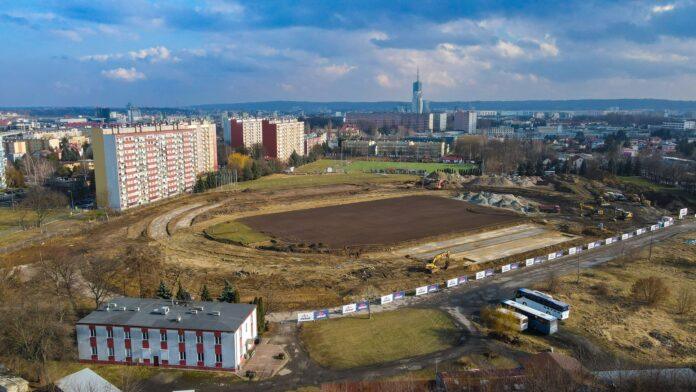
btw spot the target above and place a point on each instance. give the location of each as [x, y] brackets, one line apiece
[285, 181]
[640, 181]
[352, 166]
[389, 336]
[11, 232]
[235, 232]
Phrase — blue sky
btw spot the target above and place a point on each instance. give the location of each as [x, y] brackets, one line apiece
[156, 53]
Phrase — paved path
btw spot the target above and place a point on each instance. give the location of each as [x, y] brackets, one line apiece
[157, 229]
[187, 219]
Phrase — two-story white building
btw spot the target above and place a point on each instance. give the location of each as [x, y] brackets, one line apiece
[157, 332]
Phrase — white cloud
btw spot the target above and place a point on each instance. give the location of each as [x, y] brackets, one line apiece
[337, 69]
[72, 35]
[658, 9]
[384, 80]
[125, 74]
[508, 49]
[549, 49]
[153, 54]
[654, 57]
[101, 57]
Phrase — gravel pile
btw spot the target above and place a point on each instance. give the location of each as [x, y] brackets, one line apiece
[499, 200]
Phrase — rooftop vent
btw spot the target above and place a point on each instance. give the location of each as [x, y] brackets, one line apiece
[136, 309]
[123, 308]
[200, 308]
[178, 318]
[164, 309]
[194, 311]
[216, 313]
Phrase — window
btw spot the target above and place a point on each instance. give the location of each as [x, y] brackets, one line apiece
[201, 357]
[182, 338]
[111, 351]
[127, 334]
[163, 336]
[146, 335]
[109, 333]
[182, 355]
[129, 353]
[199, 338]
[218, 358]
[94, 350]
[93, 332]
[218, 339]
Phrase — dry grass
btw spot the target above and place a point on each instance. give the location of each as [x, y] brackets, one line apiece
[605, 310]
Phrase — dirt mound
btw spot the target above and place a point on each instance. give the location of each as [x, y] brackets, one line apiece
[443, 180]
[500, 200]
[505, 181]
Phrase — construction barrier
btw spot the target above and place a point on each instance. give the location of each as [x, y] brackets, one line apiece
[453, 282]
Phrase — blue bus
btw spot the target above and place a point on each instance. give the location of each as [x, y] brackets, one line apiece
[538, 321]
[543, 302]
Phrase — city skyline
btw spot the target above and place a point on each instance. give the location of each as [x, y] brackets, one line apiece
[77, 53]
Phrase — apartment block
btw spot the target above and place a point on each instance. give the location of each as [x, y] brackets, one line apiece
[464, 121]
[166, 333]
[282, 137]
[140, 164]
[243, 132]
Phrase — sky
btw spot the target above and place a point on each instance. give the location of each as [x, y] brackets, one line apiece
[176, 53]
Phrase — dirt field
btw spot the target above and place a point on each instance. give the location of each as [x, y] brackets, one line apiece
[379, 222]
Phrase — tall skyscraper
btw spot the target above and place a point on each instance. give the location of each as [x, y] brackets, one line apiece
[417, 100]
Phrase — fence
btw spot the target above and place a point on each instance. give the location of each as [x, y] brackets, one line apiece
[324, 314]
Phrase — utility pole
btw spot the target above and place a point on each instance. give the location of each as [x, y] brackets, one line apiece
[578, 259]
[652, 235]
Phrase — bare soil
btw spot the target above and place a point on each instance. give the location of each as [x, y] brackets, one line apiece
[378, 222]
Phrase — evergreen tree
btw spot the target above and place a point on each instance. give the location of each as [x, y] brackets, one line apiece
[182, 294]
[229, 294]
[247, 173]
[583, 167]
[163, 292]
[256, 169]
[205, 294]
[637, 167]
[260, 314]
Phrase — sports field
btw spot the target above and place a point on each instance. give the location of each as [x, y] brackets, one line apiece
[377, 222]
[352, 166]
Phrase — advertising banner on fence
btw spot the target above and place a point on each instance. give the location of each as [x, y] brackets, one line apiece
[399, 295]
[654, 227]
[489, 272]
[480, 275]
[452, 282]
[462, 279]
[529, 262]
[389, 298]
[305, 316]
[683, 212]
[552, 256]
[624, 236]
[608, 240]
[433, 288]
[539, 260]
[590, 245]
[572, 251]
[363, 305]
[505, 268]
[422, 290]
[350, 308]
[514, 266]
[321, 314]
[668, 223]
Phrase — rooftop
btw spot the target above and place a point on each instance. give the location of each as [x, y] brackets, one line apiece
[161, 313]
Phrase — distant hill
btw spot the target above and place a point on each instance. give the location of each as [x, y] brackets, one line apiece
[531, 105]
[379, 106]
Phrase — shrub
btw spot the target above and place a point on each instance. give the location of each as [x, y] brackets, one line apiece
[651, 290]
[498, 322]
[685, 301]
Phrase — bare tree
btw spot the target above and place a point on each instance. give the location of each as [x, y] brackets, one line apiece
[651, 290]
[143, 264]
[98, 274]
[63, 274]
[42, 201]
[37, 170]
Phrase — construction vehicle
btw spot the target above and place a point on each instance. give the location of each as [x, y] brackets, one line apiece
[623, 214]
[439, 262]
[591, 209]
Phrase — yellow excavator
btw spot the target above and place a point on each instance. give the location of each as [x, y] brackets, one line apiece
[439, 262]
